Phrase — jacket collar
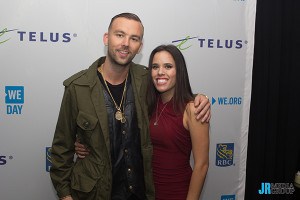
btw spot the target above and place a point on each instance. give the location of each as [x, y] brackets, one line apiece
[137, 72]
[90, 77]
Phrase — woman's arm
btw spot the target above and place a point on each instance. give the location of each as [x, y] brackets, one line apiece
[200, 147]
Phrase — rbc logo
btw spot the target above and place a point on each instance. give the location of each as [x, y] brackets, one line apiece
[265, 188]
[48, 158]
[228, 197]
[224, 155]
[14, 95]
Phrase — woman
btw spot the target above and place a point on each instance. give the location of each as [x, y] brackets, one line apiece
[174, 129]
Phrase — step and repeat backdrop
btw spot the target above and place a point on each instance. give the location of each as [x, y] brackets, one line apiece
[44, 42]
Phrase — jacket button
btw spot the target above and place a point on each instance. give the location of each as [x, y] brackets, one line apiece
[129, 170]
[123, 132]
[86, 124]
[126, 150]
[130, 187]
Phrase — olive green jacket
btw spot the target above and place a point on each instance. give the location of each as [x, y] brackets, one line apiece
[83, 114]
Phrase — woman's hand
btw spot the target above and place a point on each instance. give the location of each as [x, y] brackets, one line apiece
[202, 108]
[80, 150]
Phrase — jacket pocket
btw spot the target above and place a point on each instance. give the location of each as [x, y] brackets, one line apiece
[85, 175]
[86, 121]
[86, 125]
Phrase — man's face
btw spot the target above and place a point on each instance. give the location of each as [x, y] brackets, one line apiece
[124, 40]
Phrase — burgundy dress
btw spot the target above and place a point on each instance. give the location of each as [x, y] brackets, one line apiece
[171, 156]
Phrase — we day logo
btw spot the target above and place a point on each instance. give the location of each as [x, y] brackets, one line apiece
[14, 99]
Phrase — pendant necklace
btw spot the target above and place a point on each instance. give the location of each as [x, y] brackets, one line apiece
[119, 115]
[157, 118]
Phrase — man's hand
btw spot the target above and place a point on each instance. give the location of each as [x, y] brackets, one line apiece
[202, 106]
[80, 150]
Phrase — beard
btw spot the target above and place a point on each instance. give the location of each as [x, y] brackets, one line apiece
[114, 59]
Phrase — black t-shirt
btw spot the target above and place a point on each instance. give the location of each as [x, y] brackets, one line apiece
[116, 90]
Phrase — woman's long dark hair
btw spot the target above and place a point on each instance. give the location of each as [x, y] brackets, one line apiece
[183, 92]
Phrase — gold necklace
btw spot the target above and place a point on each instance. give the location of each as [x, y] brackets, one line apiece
[157, 118]
[119, 115]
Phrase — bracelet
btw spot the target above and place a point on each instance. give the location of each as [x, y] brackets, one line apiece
[65, 197]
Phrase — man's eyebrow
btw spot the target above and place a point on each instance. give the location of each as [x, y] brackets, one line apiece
[120, 31]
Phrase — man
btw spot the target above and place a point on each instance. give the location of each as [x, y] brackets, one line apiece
[105, 108]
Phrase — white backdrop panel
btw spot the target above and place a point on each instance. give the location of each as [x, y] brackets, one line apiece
[44, 42]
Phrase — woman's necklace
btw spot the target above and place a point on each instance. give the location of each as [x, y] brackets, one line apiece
[157, 118]
[119, 115]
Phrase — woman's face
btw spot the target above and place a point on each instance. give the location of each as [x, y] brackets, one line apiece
[164, 73]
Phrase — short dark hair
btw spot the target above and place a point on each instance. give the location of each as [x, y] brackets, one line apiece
[183, 92]
[127, 16]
